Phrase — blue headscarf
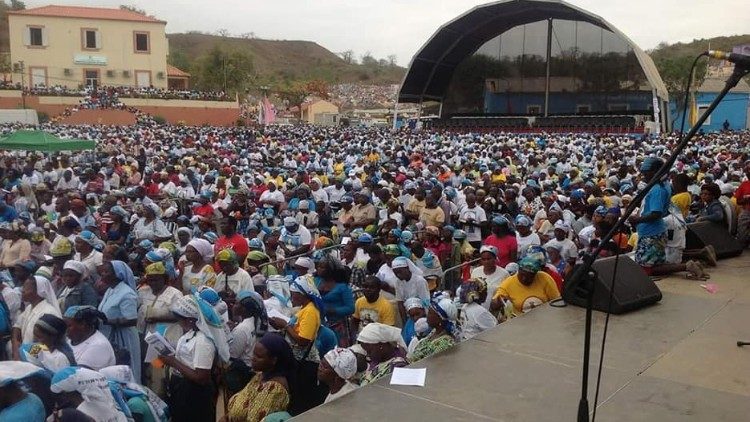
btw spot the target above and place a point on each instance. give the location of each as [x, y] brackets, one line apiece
[447, 312]
[124, 273]
[306, 285]
[253, 304]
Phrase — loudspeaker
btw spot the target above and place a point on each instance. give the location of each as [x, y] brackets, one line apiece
[705, 233]
[633, 288]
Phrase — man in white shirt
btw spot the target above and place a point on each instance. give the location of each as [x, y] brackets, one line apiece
[472, 217]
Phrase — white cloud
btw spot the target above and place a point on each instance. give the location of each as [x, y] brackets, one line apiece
[400, 27]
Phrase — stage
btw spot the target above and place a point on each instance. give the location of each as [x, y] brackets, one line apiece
[674, 361]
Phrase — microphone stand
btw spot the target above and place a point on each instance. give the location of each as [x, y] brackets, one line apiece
[583, 271]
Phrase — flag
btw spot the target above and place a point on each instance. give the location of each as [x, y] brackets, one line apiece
[693, 116]
[269, 114]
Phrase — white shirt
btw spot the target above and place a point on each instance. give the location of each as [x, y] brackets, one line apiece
[242, 341]
[92, 261]
[415, 287]
[475, 319]
[238, 281]
[473, 234]
[568, 248]
[525, 242]
[275, 196]
[13, 301]
[28, 318]
[95, 352]
[195, 350]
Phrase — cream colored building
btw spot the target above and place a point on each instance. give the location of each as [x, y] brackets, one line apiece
[318, 107]
[83, 46]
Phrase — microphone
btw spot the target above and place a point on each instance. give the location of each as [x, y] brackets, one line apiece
[741, 60]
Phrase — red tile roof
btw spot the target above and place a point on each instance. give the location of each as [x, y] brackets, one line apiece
[87, 13]
[175, 72]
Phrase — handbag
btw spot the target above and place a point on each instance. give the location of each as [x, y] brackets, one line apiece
[236, 376]
[122, 355]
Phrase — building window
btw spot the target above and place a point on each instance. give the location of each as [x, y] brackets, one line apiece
[702, 109]
[36, 37]
[142, 44]
[91, 39]
[533, 109]
[91, 77]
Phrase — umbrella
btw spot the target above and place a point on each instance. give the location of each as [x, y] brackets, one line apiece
[39, 140]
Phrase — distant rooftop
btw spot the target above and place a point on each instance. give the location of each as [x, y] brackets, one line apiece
[87, 13]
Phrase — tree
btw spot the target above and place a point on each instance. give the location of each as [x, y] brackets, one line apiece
[223, 32]
[223, 70]
[675, 72]
[392, 59]
[248, 35]
[295, 93]
[368, 60]
[132, 9]
[17, 5]
[178, 59]
[348, 56]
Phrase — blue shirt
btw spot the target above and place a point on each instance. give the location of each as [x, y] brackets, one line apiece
[656, 200]
[339, 301]
[30, 409]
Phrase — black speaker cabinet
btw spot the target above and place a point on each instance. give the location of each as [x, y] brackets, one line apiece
[633, 288]
[705, 233]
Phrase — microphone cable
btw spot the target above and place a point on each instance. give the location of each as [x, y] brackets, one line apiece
[617, 258]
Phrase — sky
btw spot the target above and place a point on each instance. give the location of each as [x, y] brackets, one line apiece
[401, 27]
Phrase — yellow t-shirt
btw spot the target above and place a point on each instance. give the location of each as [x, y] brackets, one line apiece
[682, 201]
[415, 206]
[381, 311]
[498, 178]
[308, 322]
[432, 216]
[524, 298]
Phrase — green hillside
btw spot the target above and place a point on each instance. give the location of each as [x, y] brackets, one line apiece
[285, 60]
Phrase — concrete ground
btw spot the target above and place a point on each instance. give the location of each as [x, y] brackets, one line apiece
[674, 361]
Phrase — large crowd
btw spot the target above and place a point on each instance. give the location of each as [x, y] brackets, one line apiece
[149, 92]
[350, 96]
[204, 273]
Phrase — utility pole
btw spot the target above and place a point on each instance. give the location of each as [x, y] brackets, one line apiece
[23, 83]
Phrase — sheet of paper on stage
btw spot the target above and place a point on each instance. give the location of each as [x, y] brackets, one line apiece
[273, 313]
[409, 376]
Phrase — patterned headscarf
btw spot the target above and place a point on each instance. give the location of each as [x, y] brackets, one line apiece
[530, 264]
[92, 386]
[447, 312]
[306, 285]
[343, 361]
[473, 290]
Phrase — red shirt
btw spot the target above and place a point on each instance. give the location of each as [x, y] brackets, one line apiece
[505, 246]
[236, 242]
[741, 192]
[204, 210]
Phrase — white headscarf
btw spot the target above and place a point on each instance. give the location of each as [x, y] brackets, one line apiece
[98, 402]
[45, 291]
[376, 332]
[403, 262]
[76, 266]
[203, 247]
[343, 361]
[123, 375]
[11, 371]
[207, 320]
[305, 262]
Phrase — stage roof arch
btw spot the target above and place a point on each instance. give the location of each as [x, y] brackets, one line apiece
[432, 67]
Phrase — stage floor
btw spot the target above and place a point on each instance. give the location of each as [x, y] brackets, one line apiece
[674, 361]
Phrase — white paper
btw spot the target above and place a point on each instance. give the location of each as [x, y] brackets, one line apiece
[273, 313]
[157, 345]
[409, 376]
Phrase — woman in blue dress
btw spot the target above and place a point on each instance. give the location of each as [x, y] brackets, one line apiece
[332, 281]
[120, 305]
